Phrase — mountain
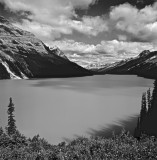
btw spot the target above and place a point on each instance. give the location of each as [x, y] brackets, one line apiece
[22, 55]
[145, 65]
[58, 52]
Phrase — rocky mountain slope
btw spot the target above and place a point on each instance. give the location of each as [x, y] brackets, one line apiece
[22, 55]
[145, 65]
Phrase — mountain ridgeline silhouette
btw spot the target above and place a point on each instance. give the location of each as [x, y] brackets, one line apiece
[148, 116]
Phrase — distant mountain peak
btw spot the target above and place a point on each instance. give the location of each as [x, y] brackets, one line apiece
[144, 53]
[58, 52]
[145, 64]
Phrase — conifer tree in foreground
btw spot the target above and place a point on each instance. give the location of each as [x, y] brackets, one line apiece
[141, 120]
[143, 107]
[148, 116]
[149, 99]
[11, 128]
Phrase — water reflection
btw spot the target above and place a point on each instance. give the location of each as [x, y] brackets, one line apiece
[107, 131]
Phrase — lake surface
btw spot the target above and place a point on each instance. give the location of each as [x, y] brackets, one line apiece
[61, 109]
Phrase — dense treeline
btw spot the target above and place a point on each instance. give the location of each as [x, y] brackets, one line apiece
[15, 146]
[148, 116]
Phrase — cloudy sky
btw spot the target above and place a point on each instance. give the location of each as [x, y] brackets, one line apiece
[88, 31]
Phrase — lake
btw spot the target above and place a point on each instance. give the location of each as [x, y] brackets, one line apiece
[61, 109]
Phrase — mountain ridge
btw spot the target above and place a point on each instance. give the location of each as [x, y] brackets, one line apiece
[22, 55]
[145, 65]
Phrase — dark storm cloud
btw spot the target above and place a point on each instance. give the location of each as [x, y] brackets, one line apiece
[103, 6]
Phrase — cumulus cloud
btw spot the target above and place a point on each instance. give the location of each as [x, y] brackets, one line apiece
[124, 49]
[112, 48]
[105, 52]
[56, 16]
[42, 31]
[142, 24]
[90, 25]
[74, 47]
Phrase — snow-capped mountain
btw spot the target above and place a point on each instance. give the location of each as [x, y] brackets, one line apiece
[145, 64]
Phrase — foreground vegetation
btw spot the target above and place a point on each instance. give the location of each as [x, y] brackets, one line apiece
[122, 147]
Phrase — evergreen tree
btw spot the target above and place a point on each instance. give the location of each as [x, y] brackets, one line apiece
[154, 96]
[137, 132]
[143, 113]
[148, 117]
[143, 107]
[149, 99]
[11, 128]
[153, 112]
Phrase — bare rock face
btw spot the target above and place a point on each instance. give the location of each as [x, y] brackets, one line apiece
[22, 55]
[55, 50]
